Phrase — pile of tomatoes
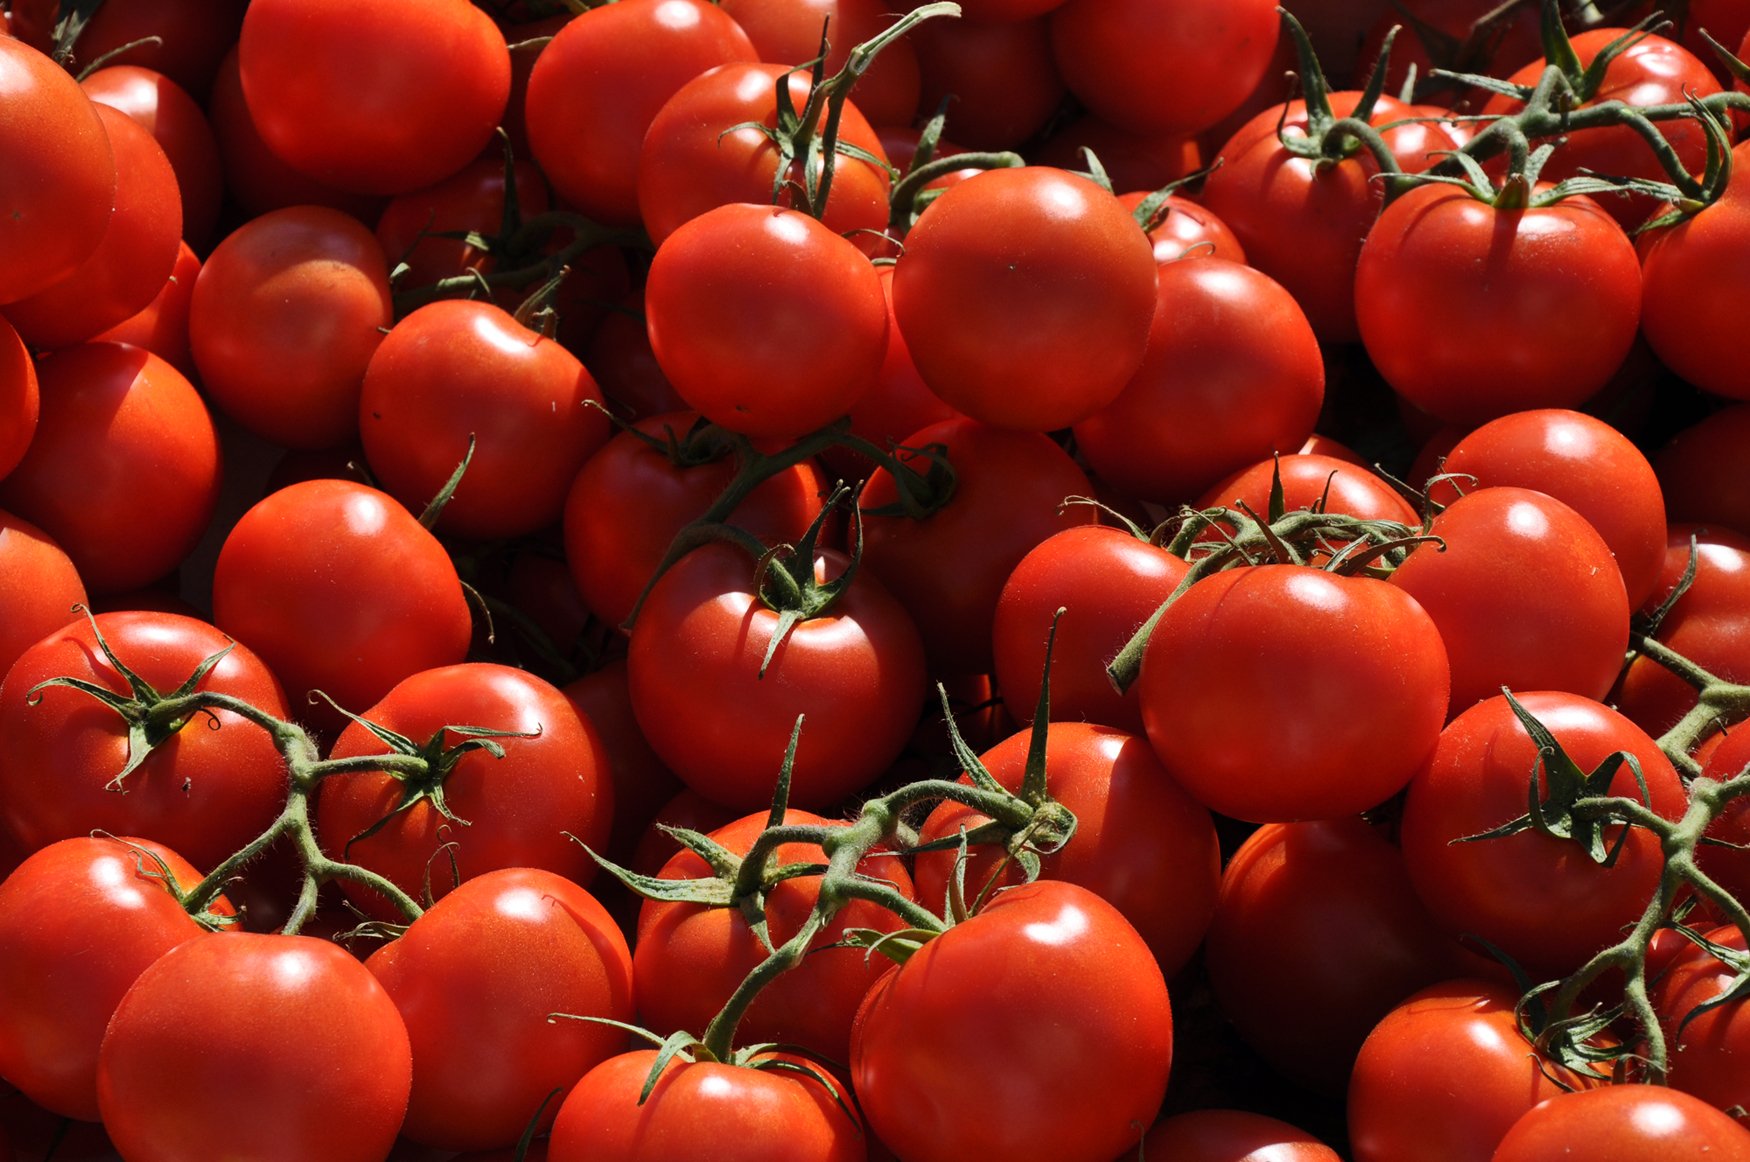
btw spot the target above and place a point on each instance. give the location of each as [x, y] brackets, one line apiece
[785, 579]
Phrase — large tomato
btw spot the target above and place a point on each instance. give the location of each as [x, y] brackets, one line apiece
[178, 124]
[477, 979]
[39, 587]
[789, 32]
[1213, 1135]
[20, 398]
[1036, 1030]
[1706, 1048]
[1624, 1123]
[290, 1028]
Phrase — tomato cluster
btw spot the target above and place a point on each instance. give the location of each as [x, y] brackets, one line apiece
[777, 579]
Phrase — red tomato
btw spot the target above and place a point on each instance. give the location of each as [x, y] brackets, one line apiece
[1321, 659]
[1133, 161]
[133, 258]
[413, 225]
[1445, 1075]
[377, 97]
[1555, 289]
[1024, 296]
[1729, 866]
[1624, 1123]
[996, 77]
[179, 126]
[1039, 1029]
[1232, 1136]
[1478, 779]
[1334, 484]
[730, 1113]
[854, 668]
[690, 958]
[289, 1027]
[20, 398]
[597, 86]
[191, 37]
[1706, 1048]
[789, 32]
[764, 320]
[475, 980]
[123, 471]
[285, 317]
[211, 784]
[1694, 471]
[537, 807]
[618, 355]
[339, 589]
[1231, 374]
[1141, 843]
[60, 180]
[161, 327]
[1188, 230]
[642, 785]
[1525, 593]
[79, 921]
[456, 371]
[39, 588]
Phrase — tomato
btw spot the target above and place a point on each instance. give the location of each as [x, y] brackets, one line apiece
[1624, 1123]
[597, 86]
[286, 315]
[1478, 779]
[720, 713]
[1556, 289]
[1107, 582]
[690, 958]
[1449, 34]
[1024, 296]
[475, 980]
[1178, 66]
[1188, 230]
[1133, 161]
[1322, 659]
[1037, 1029]
[1316, 935]
[731, 1113]
[1309, 479]
[789, 32]
[184, 39]
[60, 181]
[1729, 866]
[39, 587]
[1583, 462]
[79, 921]
[1706, 1049]
[161, 327]
[1231, 374]
[1141, 843]
[340, 590]
[375, 97]
[1232, 1136]
[642, 785]
[132, 259]
[20, 398]
[179, 126]
[412, 226]
[291, 1029]
[1008, 487]
[1444, 1076]
[765, 321]
[123, 471]
[537, 807]
[995, 77]
[455, 374]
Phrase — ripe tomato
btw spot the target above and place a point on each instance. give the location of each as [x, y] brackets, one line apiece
[183, 39]
[179, 126]
[789, 32]
[161, 327]
[1624, 1123]
[211, 784]
[996, 78]
[39, 587]
[1706, 1050]
[1188, 230]
[79, 921]
[412, 225]
[1025, 296]
[1333, 484]
[1321, 659]
[522, 810]
[377, 97]
[20, 398]
[730, 1113]
[60, 179]
[1232, 1136]
[291, 1028]
[1038, 1029]
[475, 980]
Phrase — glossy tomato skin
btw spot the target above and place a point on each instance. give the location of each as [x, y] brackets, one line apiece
[1037, 1029]
[167, 111]
[597, 86]
[124, 469]
[1189, 230]
[475, 980]
[1232, 1136]
[1707, 1049]
[789, 32]
[454, 371]
[286, 314]
[1729, 866]
[1025, 297]
[691, 958]
[339, 589]
[192, 36]
[1444, 1076]
[998, 76]
[1526, 595]
[472, 199]
[1557, 289]
[519, 808]
[1477, 780]
[696, 1109]
[60, 178]
[1141, 843]
[764, 320]
[79, 921]
[39, 586]
[20, 398]
[374, 97]
[192, 1030]
[207, 790]
[1231, 373]
[1314, 655]
[161, 326]
[1624, 1123]
[856, 670]
[1331, 483]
